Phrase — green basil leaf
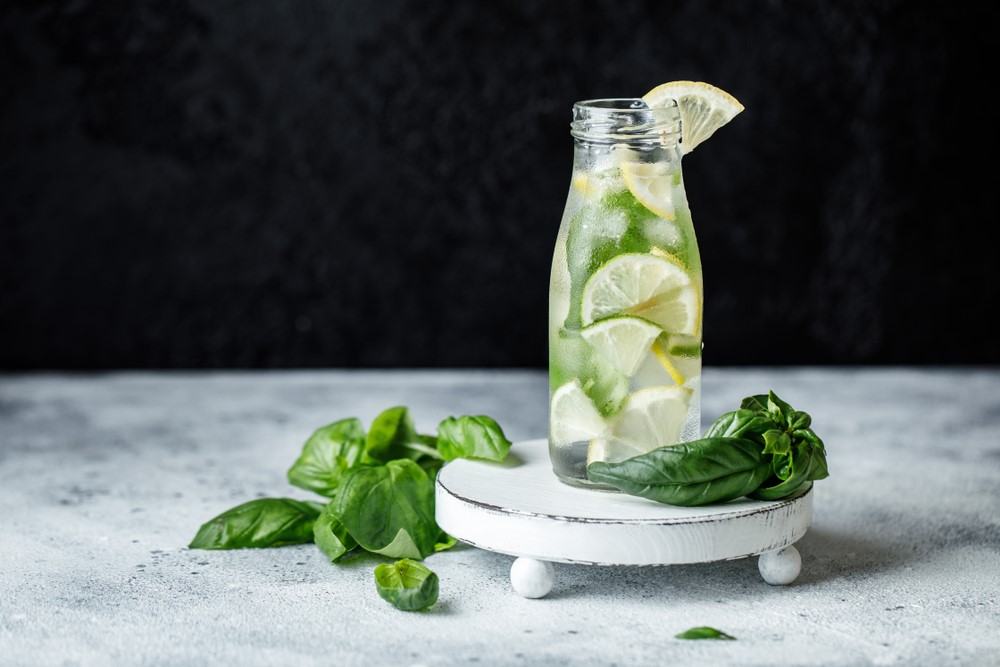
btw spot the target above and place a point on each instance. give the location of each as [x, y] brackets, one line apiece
[265, 522]
[406, 585]
[330, 535]
[776, 442]
[425, 447]
[796, 478]
[757, 403]
[799, 420]
[390, 434]
[704, 632]
[742, 423]
[819, 469]
[445, 542]
[472, 437]
[389, 509]
[327, 454]
[700, 472]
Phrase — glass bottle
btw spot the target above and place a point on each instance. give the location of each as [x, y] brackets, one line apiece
[625, 294]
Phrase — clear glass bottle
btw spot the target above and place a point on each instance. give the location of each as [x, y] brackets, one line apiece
[625, 295]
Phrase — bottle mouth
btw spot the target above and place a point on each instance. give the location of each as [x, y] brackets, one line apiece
[629, 120]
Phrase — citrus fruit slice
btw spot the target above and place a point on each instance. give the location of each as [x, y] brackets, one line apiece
[573, 417]
[680, 356]
[650, 418]
[653, 288]
[623, 341]
[653, 185]
[703, 108]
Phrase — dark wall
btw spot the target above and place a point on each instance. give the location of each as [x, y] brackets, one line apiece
[373, 184]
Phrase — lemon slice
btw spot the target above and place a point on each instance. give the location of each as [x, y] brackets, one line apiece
[623, 341]
[573, 417]
[653, 185]
[646, 286]
[649, 419]
[703, 108]
[680, 357]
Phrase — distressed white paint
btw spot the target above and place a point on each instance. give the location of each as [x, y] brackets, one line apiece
[520, 508]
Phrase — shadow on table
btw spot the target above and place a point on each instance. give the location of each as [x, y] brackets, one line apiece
[827, 556]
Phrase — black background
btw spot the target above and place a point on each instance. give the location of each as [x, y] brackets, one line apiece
[255, 184]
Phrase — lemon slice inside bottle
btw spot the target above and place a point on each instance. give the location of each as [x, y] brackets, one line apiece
[646, 286]
[703, 108]
[653, 185]
[650, 418]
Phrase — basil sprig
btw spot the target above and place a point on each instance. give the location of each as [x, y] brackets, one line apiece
[766, 449]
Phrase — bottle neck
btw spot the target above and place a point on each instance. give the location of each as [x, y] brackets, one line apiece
[592, 156]
[608, 131]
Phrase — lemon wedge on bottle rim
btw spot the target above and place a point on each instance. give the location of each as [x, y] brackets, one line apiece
[703, 108]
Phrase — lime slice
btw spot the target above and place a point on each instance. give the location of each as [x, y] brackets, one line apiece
[703, 108]
[572, 415]
[653, 288]
[653, 185]
[623, 341]
[650, 418]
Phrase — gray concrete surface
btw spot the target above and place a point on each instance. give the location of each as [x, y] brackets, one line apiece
[104, 479]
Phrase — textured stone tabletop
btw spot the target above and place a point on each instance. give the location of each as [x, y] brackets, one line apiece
[104, 479]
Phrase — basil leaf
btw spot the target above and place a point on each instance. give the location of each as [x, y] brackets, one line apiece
[700, 472]
[389, 509]
[757, 403]
[390, 433]
[795, 476]
[328, 453]
[742, 423]
[445, 542]
[330, 535]
[703, 632]
[406, 585]
[472, 437]
[776, 442]
[265, 522]
[799, 420]
[778, 408]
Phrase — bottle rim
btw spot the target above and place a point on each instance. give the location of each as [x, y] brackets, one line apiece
[628, 120]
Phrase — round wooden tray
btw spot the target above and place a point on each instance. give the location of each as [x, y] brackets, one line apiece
[521, 509]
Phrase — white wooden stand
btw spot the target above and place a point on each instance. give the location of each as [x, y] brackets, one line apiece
[520, 508]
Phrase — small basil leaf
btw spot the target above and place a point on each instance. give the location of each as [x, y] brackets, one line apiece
[425, 447]
[406, 585]
[778, 407]
[819, 469]
[472, 437]
[265, 522]
[389, 509]
[327, 454]
[331, 537]
[704, 632]
[742, 423]
[799, 420]
[801, 463]
[782, 465]
[445, 542]
[757, 403]
[700, 472]
[390, 434]
[776, 442]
